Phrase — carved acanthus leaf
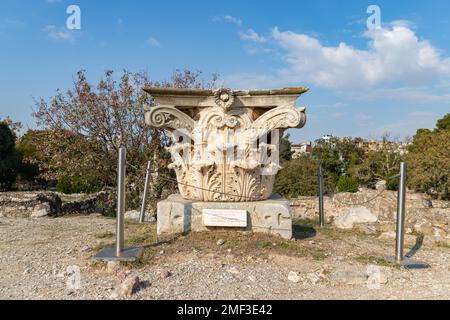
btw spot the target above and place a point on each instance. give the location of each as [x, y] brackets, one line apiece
[168, 117]
[280, 118]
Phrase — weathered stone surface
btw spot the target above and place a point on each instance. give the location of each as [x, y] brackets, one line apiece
[83, 203]
[380, 185]
[293, 277]
[177, 215]
[355, 215]
[29, 204]
[421, 218]
[174, 215]
[126, 288]
[221, 151]
[46, 203]
[135, 215]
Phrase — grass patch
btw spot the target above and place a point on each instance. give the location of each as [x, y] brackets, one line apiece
[444, 245]
[104, 235]
[319, 255]
[366, 259]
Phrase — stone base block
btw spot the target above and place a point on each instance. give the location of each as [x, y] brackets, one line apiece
[178, 216]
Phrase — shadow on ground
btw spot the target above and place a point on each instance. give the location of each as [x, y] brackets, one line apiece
[304, 229]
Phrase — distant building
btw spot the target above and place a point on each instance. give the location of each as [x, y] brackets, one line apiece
[374, 145]
[301, 149]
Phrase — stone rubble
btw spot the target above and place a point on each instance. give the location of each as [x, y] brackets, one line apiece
[370, 214]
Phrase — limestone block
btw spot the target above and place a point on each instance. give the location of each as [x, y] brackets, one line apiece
[177, 215]
[355, 215]
[173, 216]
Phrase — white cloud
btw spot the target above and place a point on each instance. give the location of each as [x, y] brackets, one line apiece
[251, 35]
[60, 33]
[394, 62]
[153, 42]
[229, 19]
[233, 20]
[393, 55]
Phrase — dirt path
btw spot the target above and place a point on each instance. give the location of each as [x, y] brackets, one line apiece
[37, 257]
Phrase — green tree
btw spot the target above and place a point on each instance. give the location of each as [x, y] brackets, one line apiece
[428, 161]
[299, 178]
[444, 123]
[84, 127]
[380, 164]
[26, 147]
[285, 148]
[9, 160]
[347, 184]
[338, 155]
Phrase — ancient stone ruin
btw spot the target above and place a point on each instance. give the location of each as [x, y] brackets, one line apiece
[225, 154]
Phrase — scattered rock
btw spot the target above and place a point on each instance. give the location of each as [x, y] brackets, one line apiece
[29, 204]
[126, 288]
[425, 228]
[220, 242]
[83, 203]
[427, 203]
[380, 185]
[166, 274]
[233, 270]
[135, 215]
[293, 277]
[86, 249]
[112, 266]
[355, 215]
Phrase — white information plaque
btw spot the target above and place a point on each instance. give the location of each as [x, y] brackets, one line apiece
[224, 218]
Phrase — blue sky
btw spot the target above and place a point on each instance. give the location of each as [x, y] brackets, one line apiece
[363, 83]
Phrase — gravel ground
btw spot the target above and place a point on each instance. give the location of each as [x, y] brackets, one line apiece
[39, 259]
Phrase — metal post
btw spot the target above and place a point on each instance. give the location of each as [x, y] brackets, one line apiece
[399, 258]
[144, 197]
[119, 253]
[400, 230]
[120, 201]
[321, 213]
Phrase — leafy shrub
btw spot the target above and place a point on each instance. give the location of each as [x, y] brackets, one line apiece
[299, 178]
[79, 184]
[9, 159]
[428, 162]
[347, 184]
[392, 184]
